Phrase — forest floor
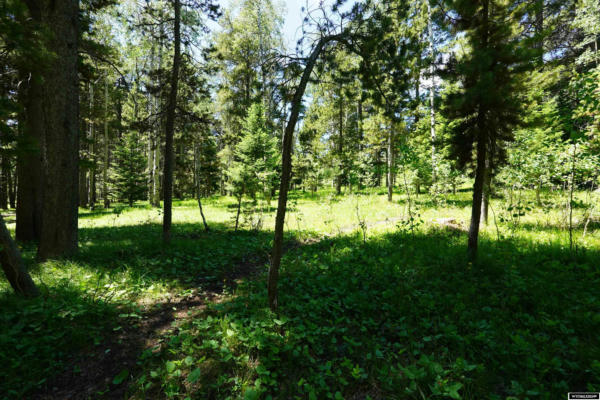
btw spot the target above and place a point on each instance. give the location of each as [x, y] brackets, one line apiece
[372, 305]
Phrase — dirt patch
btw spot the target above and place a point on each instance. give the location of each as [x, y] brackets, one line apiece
[91, 373]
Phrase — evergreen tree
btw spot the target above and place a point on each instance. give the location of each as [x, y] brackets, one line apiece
[485, 105]
[130, 163]
[256, 158]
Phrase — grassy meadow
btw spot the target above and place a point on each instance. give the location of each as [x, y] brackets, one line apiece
[373, 304]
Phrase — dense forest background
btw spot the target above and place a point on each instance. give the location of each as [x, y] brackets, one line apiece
[451, 115]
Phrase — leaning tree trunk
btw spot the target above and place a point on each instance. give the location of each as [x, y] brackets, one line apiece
[286, 171]
[13, 266]
[29, 163]
[60, 94]
[170, 127]
[197, 166]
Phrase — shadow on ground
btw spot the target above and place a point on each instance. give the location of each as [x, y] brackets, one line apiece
[402, 317]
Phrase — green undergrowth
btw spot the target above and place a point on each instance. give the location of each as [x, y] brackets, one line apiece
[381, 313]
[402, 317]
[84, 298]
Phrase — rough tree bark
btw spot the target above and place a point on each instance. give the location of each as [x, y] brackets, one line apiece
[13, 266]
[60, 94]
[29, 163]
[170, 126]
[286, 170]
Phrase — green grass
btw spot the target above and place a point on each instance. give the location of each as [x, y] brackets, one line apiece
[401, 316]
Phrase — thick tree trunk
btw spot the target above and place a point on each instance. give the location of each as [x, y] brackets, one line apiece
[170, 127]
[13, 266]
[29, 163]
[61, 104]
[286, 171]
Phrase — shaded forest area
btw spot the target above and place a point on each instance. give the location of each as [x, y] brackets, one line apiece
[398, 202]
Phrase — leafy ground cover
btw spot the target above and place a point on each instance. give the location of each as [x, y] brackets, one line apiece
[400, 315]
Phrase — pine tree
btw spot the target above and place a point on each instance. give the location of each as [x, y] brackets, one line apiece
[485, 103]
[256, 158]
[130, 163]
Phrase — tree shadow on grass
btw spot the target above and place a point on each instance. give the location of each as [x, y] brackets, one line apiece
[194, 257]
[404, 316]
[39, 336]
[76, 329]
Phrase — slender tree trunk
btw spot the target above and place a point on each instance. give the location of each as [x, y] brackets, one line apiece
[170, 127]
[29, 158]
[571, 191]
[390, 164]
[156, 158]
[4, 182]
[477, 196]
[286, 171]
[487, 187]
[378, 170]
[91, 145]
[151, 110]
[340, 145]
[60, 155]
[197, 165]
[432, 98]
[482, 144]
[538, 190]
[12, 264]
[239, 209]
[539, 27]
[106, 163]
[359, 112]
[83, 151]
[83, 189]
[12, 187]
